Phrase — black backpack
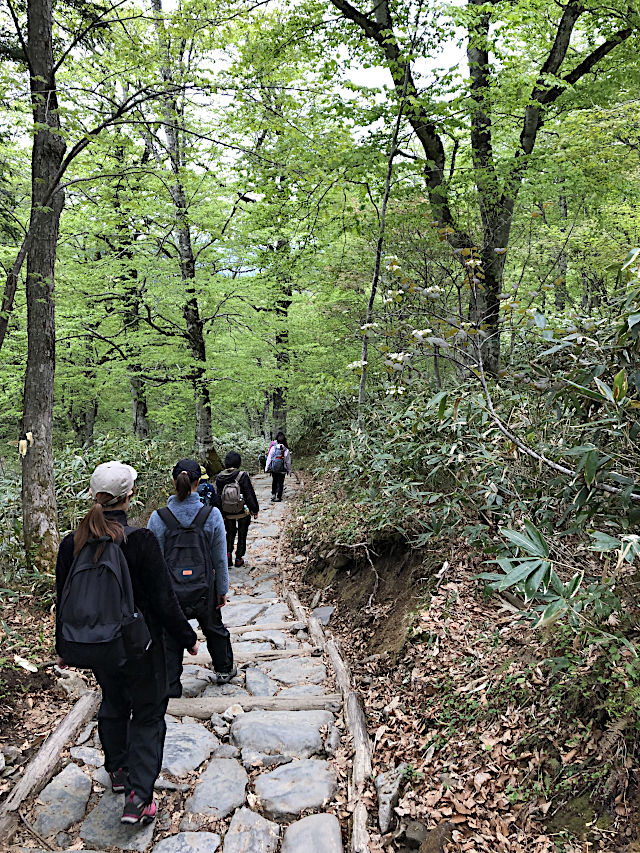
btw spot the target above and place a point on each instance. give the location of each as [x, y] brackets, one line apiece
[208, 495]
[186, 550]
[97, 619]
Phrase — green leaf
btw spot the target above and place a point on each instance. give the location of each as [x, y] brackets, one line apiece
[591, 464]
[551, 613]
[540, 320]
[442, 407]
[604, 389]
[523, 542]
[620, 385]
[603, 542]
[633, 320]
[533, 582]
[537, 537]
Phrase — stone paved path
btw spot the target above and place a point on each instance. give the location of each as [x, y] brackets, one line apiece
[254, 781]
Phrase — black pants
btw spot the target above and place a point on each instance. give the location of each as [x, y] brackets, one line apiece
[131, 725]
[241, 525]
[277, 483]
[218, 644]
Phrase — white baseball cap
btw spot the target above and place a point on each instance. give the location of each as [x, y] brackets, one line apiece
[114, 478]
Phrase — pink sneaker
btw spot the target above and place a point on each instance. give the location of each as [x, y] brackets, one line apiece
[135, 811]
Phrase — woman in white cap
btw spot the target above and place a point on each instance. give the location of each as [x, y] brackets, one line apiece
[131, 720]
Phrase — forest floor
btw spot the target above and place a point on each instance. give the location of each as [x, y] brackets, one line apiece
[503, 753]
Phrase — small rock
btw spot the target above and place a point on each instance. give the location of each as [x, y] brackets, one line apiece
[71, 683]
[165, 785]
[332, 741]
[323, 614]
[102, 827]
[388, 787]
[192, 822]
[260, 759]
[415, 833]
[11, 753]
[251, 833]
[232, 712]
[259, 684]
[186, 747]
[3, 762]
[189, 842]
[224, 690]
[64, 801]
[226, 750]
[221, 788]
[86, 733]
[101, 776]
[297, 560]
[88, 755]
[289, 790]
[318, 833]
[216, 720]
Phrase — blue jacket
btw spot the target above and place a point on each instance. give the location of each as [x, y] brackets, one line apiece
[185, 511]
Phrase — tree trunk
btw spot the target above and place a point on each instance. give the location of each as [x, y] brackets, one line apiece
[561, 292]
[39, 511]
[141, 427]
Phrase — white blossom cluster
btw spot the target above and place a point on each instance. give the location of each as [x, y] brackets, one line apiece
[434, 291]
[368, 326]
[420, 334]
[396, 391]
[396, 360]
[357, 365]
[392, 263]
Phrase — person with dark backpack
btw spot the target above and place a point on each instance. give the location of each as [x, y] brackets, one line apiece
[238, 503]
[278, 465]
[193, 540]
[207, 491]
[115, 602]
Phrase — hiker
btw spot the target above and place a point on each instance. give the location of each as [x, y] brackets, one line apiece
[206, 490]
[119, 636]
[278, 465]
[193, 540]
[238, 501]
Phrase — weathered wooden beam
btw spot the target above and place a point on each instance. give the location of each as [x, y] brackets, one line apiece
[42, 766]
[204, 707]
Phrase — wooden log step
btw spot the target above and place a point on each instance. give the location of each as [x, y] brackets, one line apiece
[203, 708]
[272, 626]
[241, 657]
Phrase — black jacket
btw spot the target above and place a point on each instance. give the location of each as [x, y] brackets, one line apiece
[153, 591]
[245, 487]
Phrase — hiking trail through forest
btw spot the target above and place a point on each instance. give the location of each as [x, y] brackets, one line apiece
[258, 765]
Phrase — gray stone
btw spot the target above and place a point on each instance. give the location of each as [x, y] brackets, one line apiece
[302, 690]
[11, 753]
[192, 686]
[415, 833]
[3, 762]
[388, 787]
[232, 712]
[332, 740]
[221, 788]
[251, 833]
[189, 842]
[230, 689]
[64, 801]
[162, 784]
[289, 790]
[242, 614]
[259, 684]
[278, 638]
[86, 733]
[216, 720]
[102, 827]
[269, 530]
[318, 833]
[275, 613]
[323, 614]
[193, 822]
[88, 755]
[101, 776]
[186, 746]
[249, 648]
[299, 558]
[295, 670]
[226, 750]
[293, 733]
[259, 759]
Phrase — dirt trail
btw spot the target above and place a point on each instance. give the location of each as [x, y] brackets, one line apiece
[254, 766]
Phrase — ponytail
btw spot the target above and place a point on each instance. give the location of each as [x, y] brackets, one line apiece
[96, 526]
[183, 486]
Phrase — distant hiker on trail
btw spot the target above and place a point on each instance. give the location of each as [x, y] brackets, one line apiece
[278, 465]
[207, 490]
[115, 603]
[193, 541]
[238, 501]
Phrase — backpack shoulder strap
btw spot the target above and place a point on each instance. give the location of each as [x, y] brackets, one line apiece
[168, 518]
[201, 518]
[238, 475]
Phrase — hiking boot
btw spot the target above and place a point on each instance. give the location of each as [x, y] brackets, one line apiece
[229, 559]
[135, 811]
[225, 677]
[278, 499]
[273, 497]
[118, 780]
[239, 562]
